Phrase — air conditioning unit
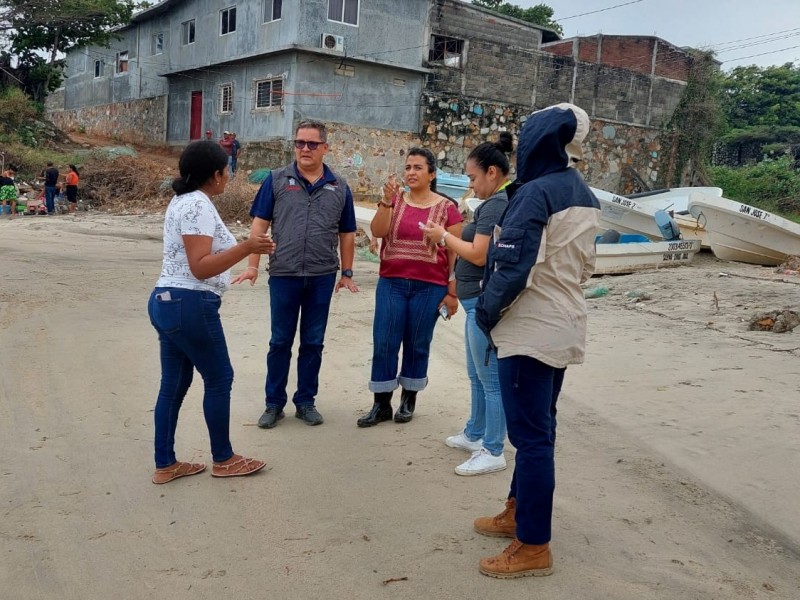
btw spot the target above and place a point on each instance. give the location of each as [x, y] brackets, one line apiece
[329, 41]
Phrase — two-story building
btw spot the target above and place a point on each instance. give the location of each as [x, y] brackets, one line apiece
[254, 67]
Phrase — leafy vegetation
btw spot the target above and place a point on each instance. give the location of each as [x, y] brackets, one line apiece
[39, 31]
[541, 14]
[773, 185]
[761, 96]
[761, 109]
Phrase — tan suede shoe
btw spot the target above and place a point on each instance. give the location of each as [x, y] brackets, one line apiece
[502, 525]
[519, 560]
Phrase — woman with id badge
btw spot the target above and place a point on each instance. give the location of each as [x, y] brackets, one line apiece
[415, 288]
[485, 431]
[199, 252]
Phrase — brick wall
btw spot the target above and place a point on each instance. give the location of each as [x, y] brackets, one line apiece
[627, 52]
[142, 121]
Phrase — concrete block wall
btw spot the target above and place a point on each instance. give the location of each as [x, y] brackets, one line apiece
[499, 59]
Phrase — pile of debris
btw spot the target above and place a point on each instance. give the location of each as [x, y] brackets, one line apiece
[124, 183]
[777, 321]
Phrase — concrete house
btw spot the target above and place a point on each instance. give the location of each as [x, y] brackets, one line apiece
[252, 66]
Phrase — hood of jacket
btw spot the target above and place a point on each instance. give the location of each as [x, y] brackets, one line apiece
[550, 141]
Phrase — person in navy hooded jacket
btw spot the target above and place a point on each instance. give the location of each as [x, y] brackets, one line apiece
[533, 311]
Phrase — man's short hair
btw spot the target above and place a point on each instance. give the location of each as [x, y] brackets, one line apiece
[49, 164]
[311, 124]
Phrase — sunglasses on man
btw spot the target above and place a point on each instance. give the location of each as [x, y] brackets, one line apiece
[300, 144]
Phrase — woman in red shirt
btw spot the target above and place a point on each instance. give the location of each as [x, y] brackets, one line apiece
[415, 284]
[72, 188]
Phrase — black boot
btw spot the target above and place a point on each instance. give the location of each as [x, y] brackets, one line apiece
[405, 412]
[381, 411]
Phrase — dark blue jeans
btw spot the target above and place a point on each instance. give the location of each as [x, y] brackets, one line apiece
[50, 198]
[406, 312]
[530, 391]
[191, 337]
[307, 299]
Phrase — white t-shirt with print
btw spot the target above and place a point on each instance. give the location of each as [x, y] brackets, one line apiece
[192, 214]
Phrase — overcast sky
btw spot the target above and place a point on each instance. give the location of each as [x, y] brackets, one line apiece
[775, 25]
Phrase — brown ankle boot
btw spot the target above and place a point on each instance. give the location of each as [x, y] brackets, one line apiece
[503, 525]
[519, 560]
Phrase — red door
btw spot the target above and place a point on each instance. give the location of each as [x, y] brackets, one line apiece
[196, 116]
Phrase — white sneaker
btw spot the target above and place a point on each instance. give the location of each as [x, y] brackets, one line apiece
[463, 442]
[481, 462]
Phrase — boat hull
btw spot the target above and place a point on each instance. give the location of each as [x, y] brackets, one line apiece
[631, 257]
[742, 233]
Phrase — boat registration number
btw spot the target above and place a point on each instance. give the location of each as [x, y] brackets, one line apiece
[671, 256]
[681, 245]
[753, 212]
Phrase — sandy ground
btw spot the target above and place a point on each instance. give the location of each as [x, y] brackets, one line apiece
[678, 457]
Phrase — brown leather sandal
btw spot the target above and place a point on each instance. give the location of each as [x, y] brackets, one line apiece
[176, 470]
[237, 466]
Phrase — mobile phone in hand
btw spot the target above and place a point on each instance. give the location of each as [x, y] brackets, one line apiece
[444, 313]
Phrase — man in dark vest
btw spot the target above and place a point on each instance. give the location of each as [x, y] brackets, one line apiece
[311, 211]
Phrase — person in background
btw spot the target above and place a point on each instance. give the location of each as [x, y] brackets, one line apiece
[484, 433]
[236, 150]
[415, 287]
[225, 141]
[209, 135]
[8, 191]
[50, 183]
[72, 189]
[310, 210]
[199, 252]
[532, 310]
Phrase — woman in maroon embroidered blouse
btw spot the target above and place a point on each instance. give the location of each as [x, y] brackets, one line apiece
[414, 288]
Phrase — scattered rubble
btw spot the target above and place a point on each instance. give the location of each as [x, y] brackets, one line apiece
[777, 321]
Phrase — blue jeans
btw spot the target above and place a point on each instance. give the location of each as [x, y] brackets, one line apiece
[50, 198]
[406, 312]
[487, 419]
[191, 337]
[309, 300]
[530, 391]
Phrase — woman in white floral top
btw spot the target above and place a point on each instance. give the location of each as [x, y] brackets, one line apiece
[199, 252]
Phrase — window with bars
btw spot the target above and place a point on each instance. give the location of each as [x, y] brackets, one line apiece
[227, 20]
[122, 62]
[187, 32]
[225, 98]
[268, 93]
[157, 44]
[272, 10]
[343, 11]
[447, 51]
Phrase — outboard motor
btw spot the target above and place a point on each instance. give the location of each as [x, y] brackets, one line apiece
[667, 226]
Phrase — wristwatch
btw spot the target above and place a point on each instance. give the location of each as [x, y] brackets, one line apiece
[347, 273]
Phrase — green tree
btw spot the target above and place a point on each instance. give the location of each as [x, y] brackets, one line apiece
[40, 31]
[541, 14]
[758, 96]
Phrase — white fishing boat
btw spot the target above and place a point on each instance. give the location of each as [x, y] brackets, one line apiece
[743, 233]
[675, 200]
[632, 215]
[635, 252]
